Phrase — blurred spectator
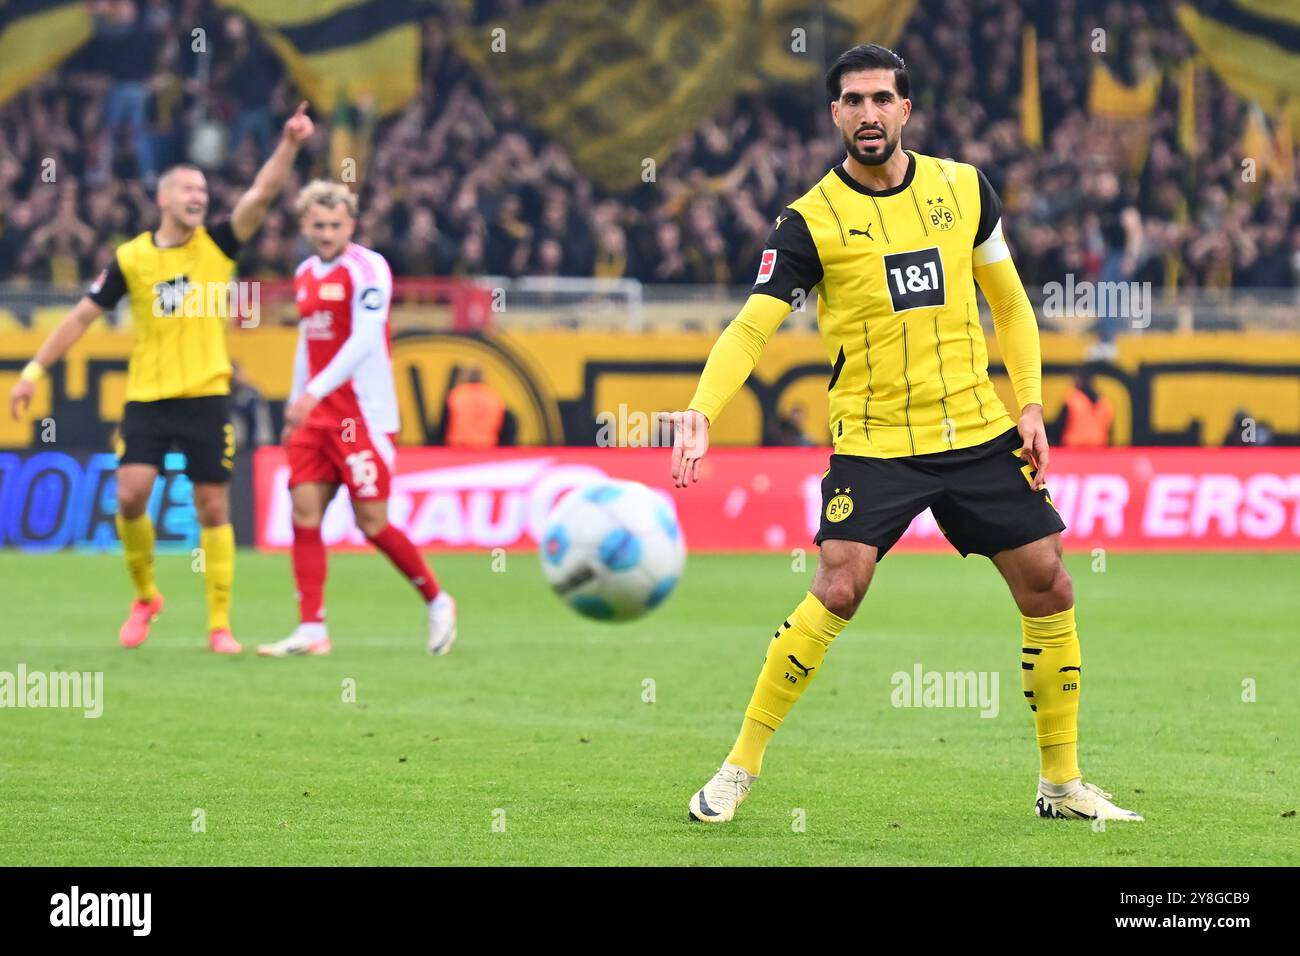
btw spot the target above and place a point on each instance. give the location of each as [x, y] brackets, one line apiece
[459, 183]
[474, 413]
[1114, 225]
[788, 428]
[1245, 432]
[1086, 417]
[249, 71]
[249, 412]
[126, 49]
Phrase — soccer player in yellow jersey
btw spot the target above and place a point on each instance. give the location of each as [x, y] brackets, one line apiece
[894, 241]
[178, 378]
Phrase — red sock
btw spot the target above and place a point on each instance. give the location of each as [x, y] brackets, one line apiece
[309, 573]
[408, 560]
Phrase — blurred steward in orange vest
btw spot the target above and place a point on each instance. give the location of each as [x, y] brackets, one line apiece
[1086, 418]
[475, 413]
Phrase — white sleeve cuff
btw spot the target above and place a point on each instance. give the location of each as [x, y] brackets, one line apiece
[991, 250]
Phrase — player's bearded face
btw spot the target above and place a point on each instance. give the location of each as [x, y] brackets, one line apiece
[871, 144]
[870, 115]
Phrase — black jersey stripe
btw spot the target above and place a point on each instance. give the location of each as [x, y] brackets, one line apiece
[866, 410]
[971, 339]
[907, 407]
[911, 192]
[835, 372]
[943, 397]
[951, 191]
[843, 241]
[883, 227]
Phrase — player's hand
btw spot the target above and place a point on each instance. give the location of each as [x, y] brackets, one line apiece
[298, 127]
[1034, 435]
[299, 409]
[690, 443]
[285, 434]
[20, 396]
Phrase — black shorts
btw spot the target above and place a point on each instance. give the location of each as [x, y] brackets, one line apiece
[981, 498]
[199, 427]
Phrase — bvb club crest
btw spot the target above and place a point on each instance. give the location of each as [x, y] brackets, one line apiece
[939, 215]
[839, 507]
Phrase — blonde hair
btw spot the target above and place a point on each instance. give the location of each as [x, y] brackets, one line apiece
[325, 193]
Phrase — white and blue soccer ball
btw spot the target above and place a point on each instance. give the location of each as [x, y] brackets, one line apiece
[613, 550]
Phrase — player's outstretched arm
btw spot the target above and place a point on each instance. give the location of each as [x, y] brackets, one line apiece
[72, 327]
[730, 363]
[252, 206]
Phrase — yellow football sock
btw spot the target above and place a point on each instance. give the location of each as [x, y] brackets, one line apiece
[1049, 672]
[218, 546]
[793, 656]
[137, 546]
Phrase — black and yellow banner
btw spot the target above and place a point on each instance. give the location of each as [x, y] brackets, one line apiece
[620, 83]
[36, 36]
[1166, 389]
[1253, 46]
[344, 52]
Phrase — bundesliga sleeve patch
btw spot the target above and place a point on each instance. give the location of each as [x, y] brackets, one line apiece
[98, 284]
[766, 266]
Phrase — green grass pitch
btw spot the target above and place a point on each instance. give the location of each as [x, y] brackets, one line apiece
[532, 744]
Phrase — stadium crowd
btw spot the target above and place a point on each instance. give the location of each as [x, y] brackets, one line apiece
[460, 184]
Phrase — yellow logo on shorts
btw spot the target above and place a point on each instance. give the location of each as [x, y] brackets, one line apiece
[839, 507]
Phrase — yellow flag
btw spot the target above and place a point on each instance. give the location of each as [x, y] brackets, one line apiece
[1257, 144]
[341, 49]
[37, 37]
[1187, 107]
[1113, 99]
[1031, 106]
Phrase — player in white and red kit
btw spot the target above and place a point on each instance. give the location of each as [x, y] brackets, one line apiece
[342, 415]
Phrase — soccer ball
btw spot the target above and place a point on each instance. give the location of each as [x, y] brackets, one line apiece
[612, 550]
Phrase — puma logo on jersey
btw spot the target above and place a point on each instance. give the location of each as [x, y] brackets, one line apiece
[779, 220]
[863, 232]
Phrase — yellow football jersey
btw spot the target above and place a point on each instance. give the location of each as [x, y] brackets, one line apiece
[893, 270]
[180, 307]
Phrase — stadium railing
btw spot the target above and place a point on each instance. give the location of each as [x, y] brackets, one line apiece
[627, 305]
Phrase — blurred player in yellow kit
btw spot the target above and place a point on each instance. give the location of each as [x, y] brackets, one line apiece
[178, 378]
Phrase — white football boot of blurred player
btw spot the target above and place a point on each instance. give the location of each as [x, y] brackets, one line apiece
[1077, 800]
[717, 800]
[442, 623]
[310, 639]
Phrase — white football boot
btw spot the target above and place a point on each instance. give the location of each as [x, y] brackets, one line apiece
[307, 639]
[442, 623]
[1077, 800]
[717, 800]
